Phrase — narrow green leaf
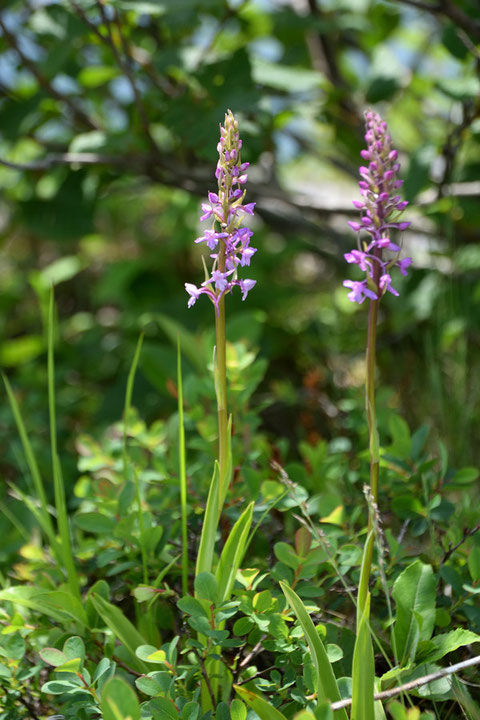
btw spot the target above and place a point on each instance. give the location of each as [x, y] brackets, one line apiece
[59, 490]
[121, 626]
[43, 514]
[209, 529]
[232, 554]
[264, 710]
[326, 682]
[365, 575]
[182, 475]
[119, 701]
[126, 415]
[225, 481]
[363, 670]
[414, 592]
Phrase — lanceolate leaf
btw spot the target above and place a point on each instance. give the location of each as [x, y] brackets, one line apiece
[264, 710]
[121, 627]
[232, 554]
[414, 594]
[326, 682]
[363, 671]
[209, 529]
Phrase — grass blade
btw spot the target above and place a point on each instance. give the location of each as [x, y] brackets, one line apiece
[59, 489]
[182, 476]
[327, 685]
[363, 670]
[232, 554]
[43, 516]
[126, 415]
[264, 710]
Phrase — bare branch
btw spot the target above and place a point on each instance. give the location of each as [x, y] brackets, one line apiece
[413, 684]
[466, 534]
[125, 66]
[453, 143]
[450, 10]
[69, 158]
[322, 50]
[79, 115]
[138, 54]
[437, 8]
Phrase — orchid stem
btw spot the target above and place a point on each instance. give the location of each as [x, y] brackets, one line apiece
[373, 443]
[221, 390]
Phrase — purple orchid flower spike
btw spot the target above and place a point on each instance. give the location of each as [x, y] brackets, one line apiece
[379, 208]
[229, 242]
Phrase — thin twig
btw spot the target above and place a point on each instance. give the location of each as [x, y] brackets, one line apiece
[258, 674]
[79, 115]
[205, 676]
[423, 6]
[466, 534]
[53, 159]
[413, 684]
[25, 704]
[255, 651]
[450, 10]
[140, 56]
[125, 66]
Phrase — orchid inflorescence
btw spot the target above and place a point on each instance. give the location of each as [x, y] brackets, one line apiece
[378, 186]
[230, 242]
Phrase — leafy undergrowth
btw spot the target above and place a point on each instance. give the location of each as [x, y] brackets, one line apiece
[119, 635]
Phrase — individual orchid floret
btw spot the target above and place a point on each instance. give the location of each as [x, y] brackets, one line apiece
[359, 291]
[379, 209]
[229, 241]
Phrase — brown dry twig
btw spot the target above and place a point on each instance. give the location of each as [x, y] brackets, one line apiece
[78, 114]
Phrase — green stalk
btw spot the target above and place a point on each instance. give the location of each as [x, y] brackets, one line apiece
[221, 390]
[182, 472]
[126, 414]
[59, 489]
[363, 668]
[373, 444]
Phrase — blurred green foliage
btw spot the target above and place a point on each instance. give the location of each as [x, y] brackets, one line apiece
[134, 91]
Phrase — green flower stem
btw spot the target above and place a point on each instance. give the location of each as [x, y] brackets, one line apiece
[221, 379]
[374, 449]
[370, 397]
[221, 391]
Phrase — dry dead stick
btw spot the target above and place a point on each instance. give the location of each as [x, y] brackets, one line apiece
[386, 694]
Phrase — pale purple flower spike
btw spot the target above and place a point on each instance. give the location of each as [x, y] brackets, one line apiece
[378, 188]
[231, 243]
